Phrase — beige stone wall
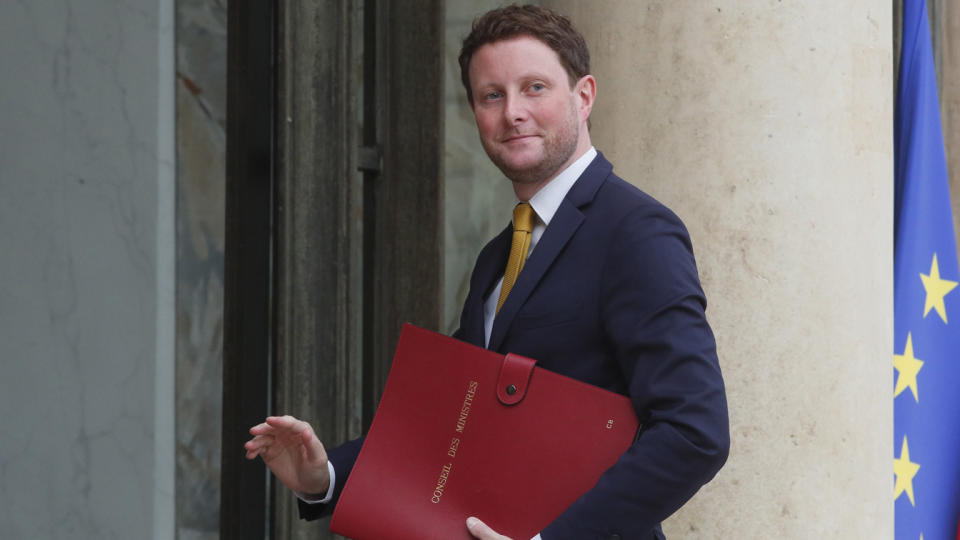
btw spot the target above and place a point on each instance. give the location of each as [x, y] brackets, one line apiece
[767, 126]
[945, 15]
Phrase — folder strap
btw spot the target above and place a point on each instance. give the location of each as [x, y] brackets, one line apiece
[515, 373]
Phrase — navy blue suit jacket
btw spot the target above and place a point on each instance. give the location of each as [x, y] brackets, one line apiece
[610, 296]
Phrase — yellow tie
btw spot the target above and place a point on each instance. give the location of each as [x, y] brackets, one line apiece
[523, 218]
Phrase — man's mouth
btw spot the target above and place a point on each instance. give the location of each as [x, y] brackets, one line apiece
[516, 138]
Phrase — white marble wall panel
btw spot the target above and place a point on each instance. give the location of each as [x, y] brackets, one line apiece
[201, 158]
[83, 262]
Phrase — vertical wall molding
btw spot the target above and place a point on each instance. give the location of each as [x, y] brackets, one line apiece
[319, 236]
[408, 195]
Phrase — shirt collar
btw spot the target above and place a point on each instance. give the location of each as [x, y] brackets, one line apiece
[546, 201]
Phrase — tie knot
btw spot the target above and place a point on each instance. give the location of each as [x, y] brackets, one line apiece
[523, 217]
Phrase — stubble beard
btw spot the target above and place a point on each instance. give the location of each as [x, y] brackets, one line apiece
[556, 151]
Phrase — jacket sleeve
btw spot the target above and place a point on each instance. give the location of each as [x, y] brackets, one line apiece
[653, 312]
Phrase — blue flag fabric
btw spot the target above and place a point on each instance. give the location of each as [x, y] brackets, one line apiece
[926, 303]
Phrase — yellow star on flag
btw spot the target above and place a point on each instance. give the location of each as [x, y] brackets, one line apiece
[904, 470]
[936, 289]
[907, 366]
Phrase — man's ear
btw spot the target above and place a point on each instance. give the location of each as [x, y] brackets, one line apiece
[586, 92]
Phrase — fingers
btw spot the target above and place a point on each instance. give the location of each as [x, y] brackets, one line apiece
[261, 429]
[277, 424]
[286, 422]
[257, 445]
[284, 430]
[312, 445]
[272, 423]
[482, 531]
[290, 424]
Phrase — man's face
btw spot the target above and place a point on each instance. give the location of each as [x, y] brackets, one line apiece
[531, 122]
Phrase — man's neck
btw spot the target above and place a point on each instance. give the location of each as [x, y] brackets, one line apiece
[548, 198]
[525, 191]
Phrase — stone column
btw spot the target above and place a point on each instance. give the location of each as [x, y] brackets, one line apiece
[318, 254]
[767, 127]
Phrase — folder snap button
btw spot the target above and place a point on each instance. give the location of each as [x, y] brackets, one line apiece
[512, 389]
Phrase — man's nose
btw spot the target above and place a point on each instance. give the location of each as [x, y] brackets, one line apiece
[514, 110]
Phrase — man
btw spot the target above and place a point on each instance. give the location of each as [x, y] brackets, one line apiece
[607, 293]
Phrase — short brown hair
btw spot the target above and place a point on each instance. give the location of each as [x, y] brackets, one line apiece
[540, 23]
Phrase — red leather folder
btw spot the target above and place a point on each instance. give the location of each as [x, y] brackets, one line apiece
[462, 431]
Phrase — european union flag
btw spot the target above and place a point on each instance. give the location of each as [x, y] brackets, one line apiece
[926, 358]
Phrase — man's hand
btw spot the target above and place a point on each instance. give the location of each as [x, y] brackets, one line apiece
[293, 452]
[481, 531]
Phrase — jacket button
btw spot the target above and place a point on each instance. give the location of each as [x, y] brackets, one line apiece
[614, 537]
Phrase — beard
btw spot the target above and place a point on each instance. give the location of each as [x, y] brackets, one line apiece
[557, 149]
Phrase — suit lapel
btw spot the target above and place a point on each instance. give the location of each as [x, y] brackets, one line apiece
[561, 229]
[490, 265]
[565, 222]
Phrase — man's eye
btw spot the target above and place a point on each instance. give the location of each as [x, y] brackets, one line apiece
[536, 87]
[492, 95]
